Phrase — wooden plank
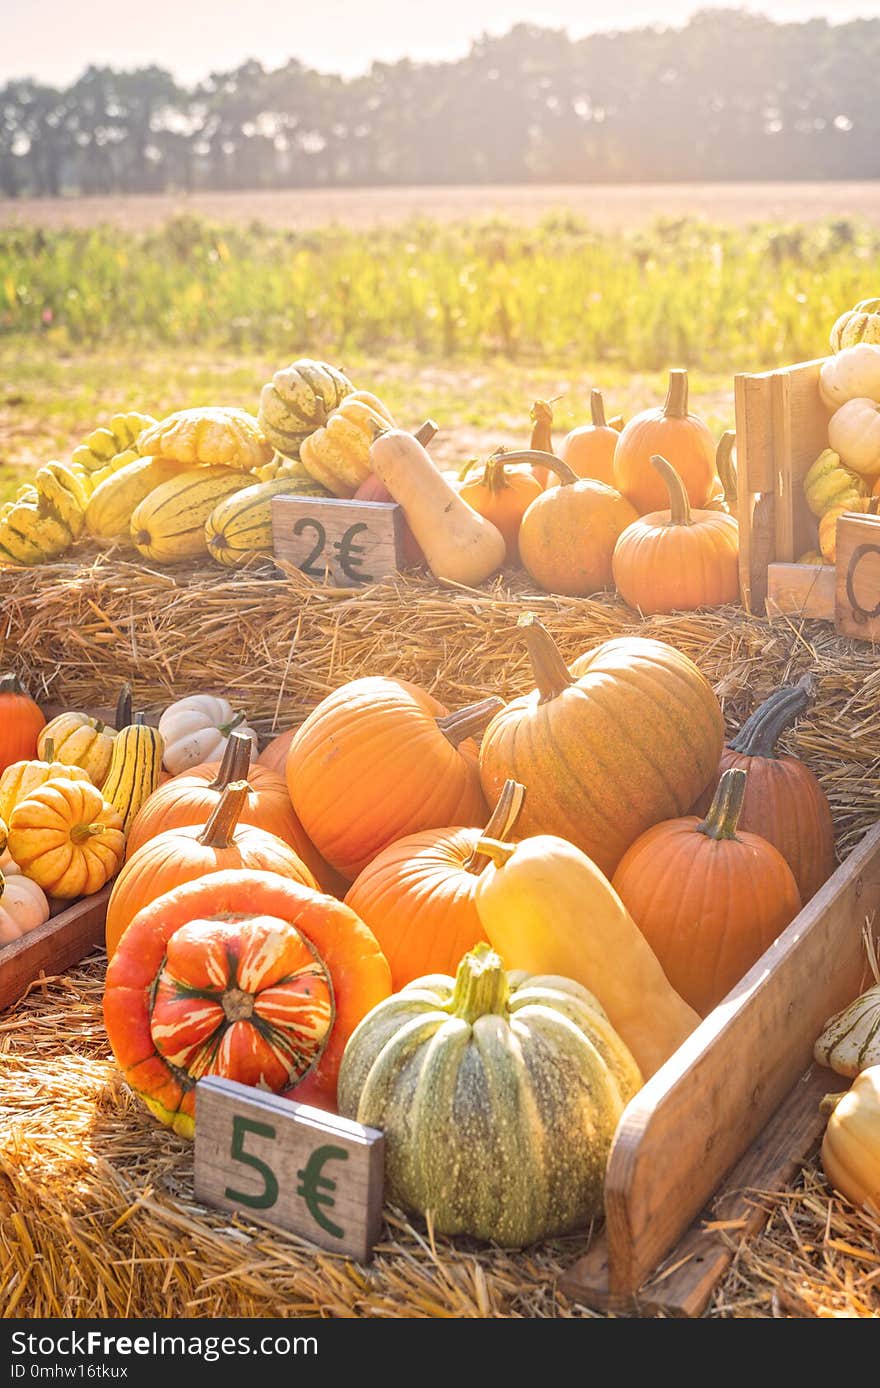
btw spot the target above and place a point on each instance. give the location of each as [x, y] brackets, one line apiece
[62, 941]
[784, 482]
[857, 588]
[298, 1167]
[801, 590]
[350, 542]
[695, 1117]
[755, 483]
[807, 436]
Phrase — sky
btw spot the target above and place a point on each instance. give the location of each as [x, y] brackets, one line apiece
[54, 40]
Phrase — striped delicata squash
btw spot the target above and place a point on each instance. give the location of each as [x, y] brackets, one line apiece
[240, 527]
[169, 524]
[108, 514]
[135, 767]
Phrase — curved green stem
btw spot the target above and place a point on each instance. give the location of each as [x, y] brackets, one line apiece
[762, 729]
[480, 985]
[724, 812]
[566, 474]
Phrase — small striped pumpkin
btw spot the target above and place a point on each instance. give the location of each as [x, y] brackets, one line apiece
[240, 527]
[169, 524]
[135, 768]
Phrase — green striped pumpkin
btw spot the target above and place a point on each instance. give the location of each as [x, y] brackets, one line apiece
[168, 526]
[240, 527]
[498, 1093]
[135, 767]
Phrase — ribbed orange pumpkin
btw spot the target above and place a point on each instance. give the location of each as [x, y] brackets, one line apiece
[708, 897]
[196, 850]
[589, 449]
[502, 496]
[417, 895]
[568, 534]
[670, 431]
[274, 754]
[784, 802]
[381, 758]
[607, 748]
[20, 722]
[677, 560]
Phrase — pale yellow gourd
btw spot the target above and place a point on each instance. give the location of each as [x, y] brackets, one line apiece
[851, 1145]
[457, 543]
[544, 904]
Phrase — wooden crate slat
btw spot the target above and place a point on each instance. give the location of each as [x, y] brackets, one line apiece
[801, 590]
[57, 945]
[755, 484]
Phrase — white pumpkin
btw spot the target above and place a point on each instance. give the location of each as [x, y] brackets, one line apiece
[23, 906]
[197, 729]
[854, 433]
[851, 375]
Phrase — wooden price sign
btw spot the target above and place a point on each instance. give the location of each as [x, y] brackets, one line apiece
[857, 588]
[351, 542]
[312, 1172]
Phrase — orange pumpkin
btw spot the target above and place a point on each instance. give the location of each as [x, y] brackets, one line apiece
[20, 722]
[418, 895]
[201, 961]
[502, 496]
[675, 434]
[589, 449]
[274, 754]
[607, 748]
[708, 897]
[784, 802]
[194, 850]
[677, 560]
[568, 534]
[378, 759]
[66, 837]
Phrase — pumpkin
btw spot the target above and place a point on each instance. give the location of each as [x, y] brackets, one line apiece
[677, 560]
[196, 850]
[546, 904]
[20, 722]
[850, 1040]
[245, 917]
[240, 526]
[708, 897]
[629, 736]
[79, 740]
[67, 838]
[209, 435]
[828, 524]
[379, 759]
[568, 534]
[135, 766]
[417, 895]
[502, 496]
[783, 801]
[724, 488]
[298, 400]
[851, 1145]
[859, 324]
[828, 484]
[854, 434]
[854, 372]
[589, 449]
[498, 1095]
[168, 526]
[675, 434]
[196, 730]
[19, 779]
[457, 543]
[23, 906]
[274, 754]
[337, 455]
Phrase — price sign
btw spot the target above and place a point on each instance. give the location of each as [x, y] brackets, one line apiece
[857, 588]
[312, 1172]
[351, 542]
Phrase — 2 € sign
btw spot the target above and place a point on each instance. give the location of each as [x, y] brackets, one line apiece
[312, 1172]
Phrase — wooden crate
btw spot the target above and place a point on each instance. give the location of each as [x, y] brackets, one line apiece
[781, 428]
[734, 1111]
[61, 942]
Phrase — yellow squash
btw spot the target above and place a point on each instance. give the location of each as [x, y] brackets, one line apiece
[108, 514]
[135, 768]
[338, 454]
[851, 1145]
[212, 435]
[22, 777]
[240, 527]
[168, 526]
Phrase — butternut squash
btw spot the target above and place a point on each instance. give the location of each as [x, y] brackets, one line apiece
[547, 908]
[457, 543]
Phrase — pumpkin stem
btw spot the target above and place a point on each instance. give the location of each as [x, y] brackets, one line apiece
[830, 1102]
[465, 722]
[480, 985]
[235, 762]
[552, 675]
[676, 406]
[762, 729]
[500, 823]
[597, 409]
[496, 851]
[426, 432]
[566, 474]
[227, 728]
[238, 1006]
[49, 749]
[724, 812]
[81, 833]
[123, 708]
[220, 828]
[679, 502]
[11, 684]
[726, 467]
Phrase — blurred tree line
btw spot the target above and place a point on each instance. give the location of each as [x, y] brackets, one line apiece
[730, 96]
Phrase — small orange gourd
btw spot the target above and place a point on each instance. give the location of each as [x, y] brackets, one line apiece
[677, 435]
[502, 496]
[589, 449]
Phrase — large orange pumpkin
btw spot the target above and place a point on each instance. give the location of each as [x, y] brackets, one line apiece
[568, 534]
[708, 897]
[606, 748]
[417, 895]
[200, 963]
[589, 449]
[381, 758]
[783, 802]
[675, 434]
[20, 722]
[677, 560]
[194, 850]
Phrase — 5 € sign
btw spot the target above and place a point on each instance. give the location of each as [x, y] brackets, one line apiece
[312, 1172]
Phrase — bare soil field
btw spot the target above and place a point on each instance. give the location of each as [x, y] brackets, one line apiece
[609, 206]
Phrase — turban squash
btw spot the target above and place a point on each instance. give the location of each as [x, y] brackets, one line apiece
[243, 974]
